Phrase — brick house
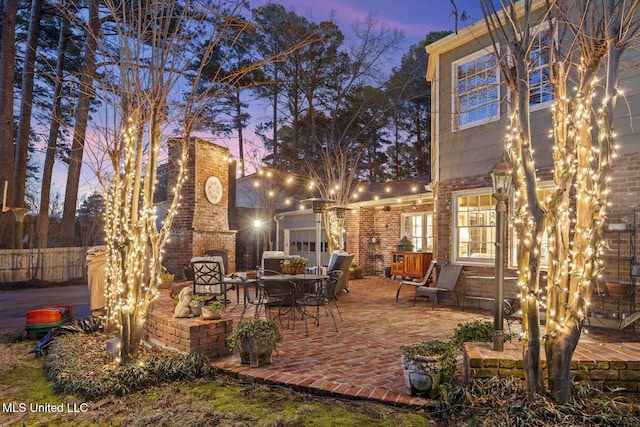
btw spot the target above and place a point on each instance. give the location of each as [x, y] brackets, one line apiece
[450, 214]
[468, 140]
[381, 215]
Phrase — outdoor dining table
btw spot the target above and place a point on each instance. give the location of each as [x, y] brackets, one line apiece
[301, 283]
[296, 278]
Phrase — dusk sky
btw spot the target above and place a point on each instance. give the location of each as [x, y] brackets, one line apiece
[415, 18]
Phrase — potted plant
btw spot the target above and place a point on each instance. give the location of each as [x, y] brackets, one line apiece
[166, 280]
[175, 299]
[294, 265]
[427, 365]
[213, 311]
[255, 340]
[356, 271]
[196, 305]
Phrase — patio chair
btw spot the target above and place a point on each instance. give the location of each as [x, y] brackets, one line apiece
[230, 282]
[340, 261]
[316, 295]
[277, 293]
[426, 280]
[207, 279]
[445, 283]
[254, 296]
[335, 275]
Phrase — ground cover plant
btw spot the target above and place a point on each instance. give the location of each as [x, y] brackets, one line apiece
[177, 390]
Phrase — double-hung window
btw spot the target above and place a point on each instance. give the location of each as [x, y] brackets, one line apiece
[474, 233]
[540, 87]
[418, 227]
[477, 90]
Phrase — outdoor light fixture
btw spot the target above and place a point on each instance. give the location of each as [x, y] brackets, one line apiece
[341, 212]
[319, 204]
[501, 179]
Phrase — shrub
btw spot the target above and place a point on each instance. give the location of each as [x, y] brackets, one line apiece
[261, 330]
[90, 374]
[476, 331]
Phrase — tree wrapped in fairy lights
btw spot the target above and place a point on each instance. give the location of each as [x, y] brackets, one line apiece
[582, 42]
[154, 87]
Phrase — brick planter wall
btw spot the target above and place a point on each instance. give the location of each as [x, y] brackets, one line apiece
[614, 365]
[162, 331]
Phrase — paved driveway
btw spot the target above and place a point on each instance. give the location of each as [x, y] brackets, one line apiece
[14, 305]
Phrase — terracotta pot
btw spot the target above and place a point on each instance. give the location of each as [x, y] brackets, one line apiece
[165, 284]
[615, 289]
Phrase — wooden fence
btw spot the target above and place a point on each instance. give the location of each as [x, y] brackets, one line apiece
[50, 265]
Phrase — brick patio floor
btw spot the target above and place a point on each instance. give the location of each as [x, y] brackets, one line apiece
[362, 359]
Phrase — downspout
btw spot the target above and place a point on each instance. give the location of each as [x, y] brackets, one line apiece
[435, 125]
[277, 219]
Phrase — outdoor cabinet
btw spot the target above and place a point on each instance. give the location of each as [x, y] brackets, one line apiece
[410, 264]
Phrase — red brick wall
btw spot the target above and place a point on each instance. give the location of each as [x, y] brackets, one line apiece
[162, 331]
[199, 225]
[623, 199]
[379, 223]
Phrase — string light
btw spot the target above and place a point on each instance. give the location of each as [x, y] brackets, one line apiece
[134, 245]
[574, 235]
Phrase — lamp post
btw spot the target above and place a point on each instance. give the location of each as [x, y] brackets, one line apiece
[501, 180]
[318, 203]
[341, 212]
[257, 224]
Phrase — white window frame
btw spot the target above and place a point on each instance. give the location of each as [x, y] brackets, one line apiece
[491, 91]
[539, 87]
[464, 248]
[425, 230]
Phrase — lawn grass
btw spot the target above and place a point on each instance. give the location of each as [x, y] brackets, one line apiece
[216, 400]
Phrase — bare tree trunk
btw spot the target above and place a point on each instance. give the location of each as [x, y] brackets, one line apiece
[80, 128]
[24, 123]
[276, 160]
[26, 102]
[7, 57]
[239, 125]
[52, 143]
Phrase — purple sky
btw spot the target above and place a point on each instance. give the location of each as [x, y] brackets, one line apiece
[415, 18]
